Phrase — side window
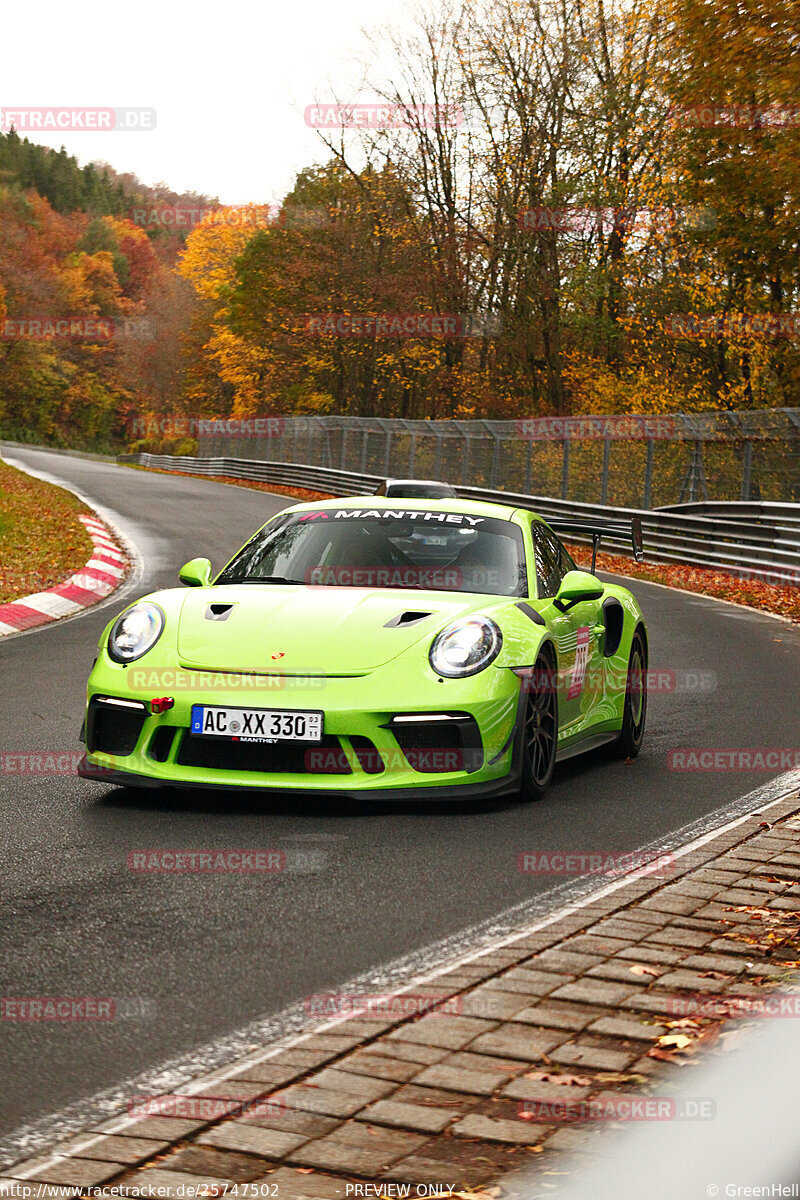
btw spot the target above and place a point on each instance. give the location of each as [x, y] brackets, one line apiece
[567, 561]
[547, 553]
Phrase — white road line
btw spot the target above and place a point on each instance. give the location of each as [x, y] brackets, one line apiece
[290, 1028]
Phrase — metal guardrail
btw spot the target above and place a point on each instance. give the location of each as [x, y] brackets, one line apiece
[635, 459]
[728, 538]
[298, 475]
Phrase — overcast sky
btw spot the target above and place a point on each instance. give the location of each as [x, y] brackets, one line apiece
[229, 82]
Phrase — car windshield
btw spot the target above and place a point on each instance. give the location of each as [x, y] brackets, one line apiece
[419, 491]
[389, 548]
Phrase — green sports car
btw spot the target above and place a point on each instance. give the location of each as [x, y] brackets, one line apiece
[380, 647]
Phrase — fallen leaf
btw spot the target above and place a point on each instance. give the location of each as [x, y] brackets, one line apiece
[568, 1080]
[665, 1056]
[677, 1041]
[620, 1077]
[640, 969]
[715, 975]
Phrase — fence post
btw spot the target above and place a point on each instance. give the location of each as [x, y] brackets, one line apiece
[412, 450]
[364, 441]
[747, 469]
[528, 466]
[465, 465]
[699, 487]
[648, 475]
[437, 470]
[344, 445]
[388, 454]
[495, 460]
[606, 459]
[310, 440]
[565, 470]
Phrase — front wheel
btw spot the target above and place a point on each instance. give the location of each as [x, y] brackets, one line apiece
[631, 736]
[539, 730]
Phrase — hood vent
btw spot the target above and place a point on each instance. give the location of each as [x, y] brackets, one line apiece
[219, 612]
[406, 618]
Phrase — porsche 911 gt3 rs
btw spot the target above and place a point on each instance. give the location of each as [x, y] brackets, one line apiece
[384, 647]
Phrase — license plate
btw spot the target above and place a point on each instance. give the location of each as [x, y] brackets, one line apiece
[256, 724]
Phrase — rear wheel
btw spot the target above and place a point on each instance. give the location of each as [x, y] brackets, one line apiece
[539, 730]
[634, 715]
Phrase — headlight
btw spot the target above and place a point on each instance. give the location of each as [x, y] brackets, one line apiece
[135, 632]
[465, 647]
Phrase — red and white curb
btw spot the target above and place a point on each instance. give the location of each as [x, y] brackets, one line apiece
[103, 574]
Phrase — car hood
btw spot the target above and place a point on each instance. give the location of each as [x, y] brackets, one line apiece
[303, 630]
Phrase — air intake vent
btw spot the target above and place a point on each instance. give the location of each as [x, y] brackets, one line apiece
[406, 618]
[219, 612]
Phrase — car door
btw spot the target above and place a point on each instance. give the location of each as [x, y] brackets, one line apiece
[577, 634]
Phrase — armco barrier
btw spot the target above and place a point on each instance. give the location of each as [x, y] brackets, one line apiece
[636, 460]
[760, 541]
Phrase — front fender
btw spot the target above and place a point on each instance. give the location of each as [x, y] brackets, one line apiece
[524, 633]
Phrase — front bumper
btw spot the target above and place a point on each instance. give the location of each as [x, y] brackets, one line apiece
[363, 753]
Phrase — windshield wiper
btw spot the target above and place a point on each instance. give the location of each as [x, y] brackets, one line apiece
[261, 579]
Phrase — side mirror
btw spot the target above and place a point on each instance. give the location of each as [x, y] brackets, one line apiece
[577, 586]
[196, 573]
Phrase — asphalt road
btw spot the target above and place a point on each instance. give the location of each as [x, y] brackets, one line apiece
[204, 955]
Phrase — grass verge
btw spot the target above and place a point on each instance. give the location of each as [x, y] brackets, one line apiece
[42, 542]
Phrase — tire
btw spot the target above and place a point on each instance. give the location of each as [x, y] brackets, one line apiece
[634, 714]
[539, 730]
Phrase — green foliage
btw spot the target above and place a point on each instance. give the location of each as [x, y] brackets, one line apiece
[58, 177]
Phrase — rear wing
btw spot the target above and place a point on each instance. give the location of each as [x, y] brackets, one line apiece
[597, 530]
